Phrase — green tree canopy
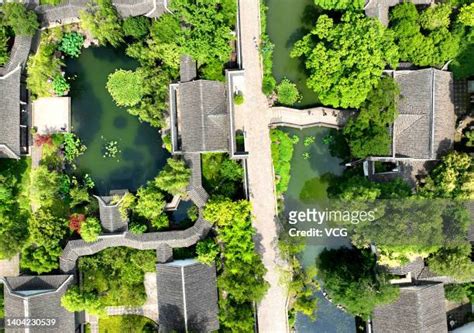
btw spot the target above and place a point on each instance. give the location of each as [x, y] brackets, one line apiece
[454, 262]
[103, 22]
[287, 93]
[452, 178]
[368, 132]
[76, 301]
[340, 4]
[466, 15]
[345, 60]
[150, 203]
[90, 229]
[136, 27]
[126, 87]
[22, 20]
[207, 251]
[174, 178]
[350, 281]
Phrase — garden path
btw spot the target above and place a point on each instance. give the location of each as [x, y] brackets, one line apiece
[255, 116]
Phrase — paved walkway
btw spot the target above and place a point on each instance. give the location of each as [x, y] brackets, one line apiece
[10, 267]
[255, 117]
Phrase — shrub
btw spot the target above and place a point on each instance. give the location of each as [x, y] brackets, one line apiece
[174, 178]
[75, 300]
[340, 4]
[268, 84]
[282, 153]
[4, 38]
[22, 20]
[103, 22]
[90, 229]
[71, 44]
[238, 98]
[126, 87]
[287, 93]
[75, 222]
[60, 85]
[207, 251]
[136, 27]
[459, 292]
[137, 228]
[43, 139]
[466, 15]
[161, 222]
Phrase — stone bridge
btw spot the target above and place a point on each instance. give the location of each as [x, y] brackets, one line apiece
[318, 116]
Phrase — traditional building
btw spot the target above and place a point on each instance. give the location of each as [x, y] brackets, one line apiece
[39, 297]
[109, 210]
[420, 308]
[424, 128]
[187, 297]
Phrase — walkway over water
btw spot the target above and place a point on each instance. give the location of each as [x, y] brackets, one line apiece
[318, 116]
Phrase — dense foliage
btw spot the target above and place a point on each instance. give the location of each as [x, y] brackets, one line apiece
[221, 175]
[90, 229]
[111, 282]
[287, 93]
[282, 153]
[126, 87]
[425, 38]
[340, 4]
[266, 50]
[207, 251]
[345, 60]
[75, 300]
[14, 205]
[452, 178]
[368, 132]
[22, 20]
[174, 178]
[460, 292]
[4, 39]
[43, 67]
[71, 44]
[136, 27]
[350, 280]
[453, 261]
[103, 22]
[241, 281]
[127, 323]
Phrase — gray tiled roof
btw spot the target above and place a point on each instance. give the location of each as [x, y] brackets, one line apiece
[419, 309]
[39, 297]
[205, 124]
[69, 10]
[424, 128]
[187, 297]
[110, 216]
[10, 111]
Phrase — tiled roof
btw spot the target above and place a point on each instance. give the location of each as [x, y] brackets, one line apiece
[424, 128]
[187, 297]
[420, 308]
[39, 297]
[202, 106]
[10, 112]
[110, 216]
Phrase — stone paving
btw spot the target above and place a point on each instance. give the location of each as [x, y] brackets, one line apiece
[255, 118]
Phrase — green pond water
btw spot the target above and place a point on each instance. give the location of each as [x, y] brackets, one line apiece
[288, 21]
[97, 121]
[307, 189]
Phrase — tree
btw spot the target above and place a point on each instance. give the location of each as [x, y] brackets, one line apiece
[345, 60]
[425, 39]
[161, 222]
[22, 20]
[452, 178]
[4, 39]
[459, 292]
[71, 44]
[103, 22]
[126, 87]
[136, 27]
[44, 189]
[466, 15]
[174, 178]
[454, 262]
[436, 16]
[90, 229]
[60, 85]
[76, 301]
[207, 28]
[350, 280]
[340, 4]
[368, 132]
[207, 251]
[288, 93]
[150, 203]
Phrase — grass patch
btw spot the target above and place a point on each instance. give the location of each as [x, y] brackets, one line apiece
[128, 324]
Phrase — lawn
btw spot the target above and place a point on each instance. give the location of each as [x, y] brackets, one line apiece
[127, 324]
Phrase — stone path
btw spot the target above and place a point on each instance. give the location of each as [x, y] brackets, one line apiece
[255, 116]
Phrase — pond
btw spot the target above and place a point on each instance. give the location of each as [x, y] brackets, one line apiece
[307, 189]
[288, 21]
[98, 122]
